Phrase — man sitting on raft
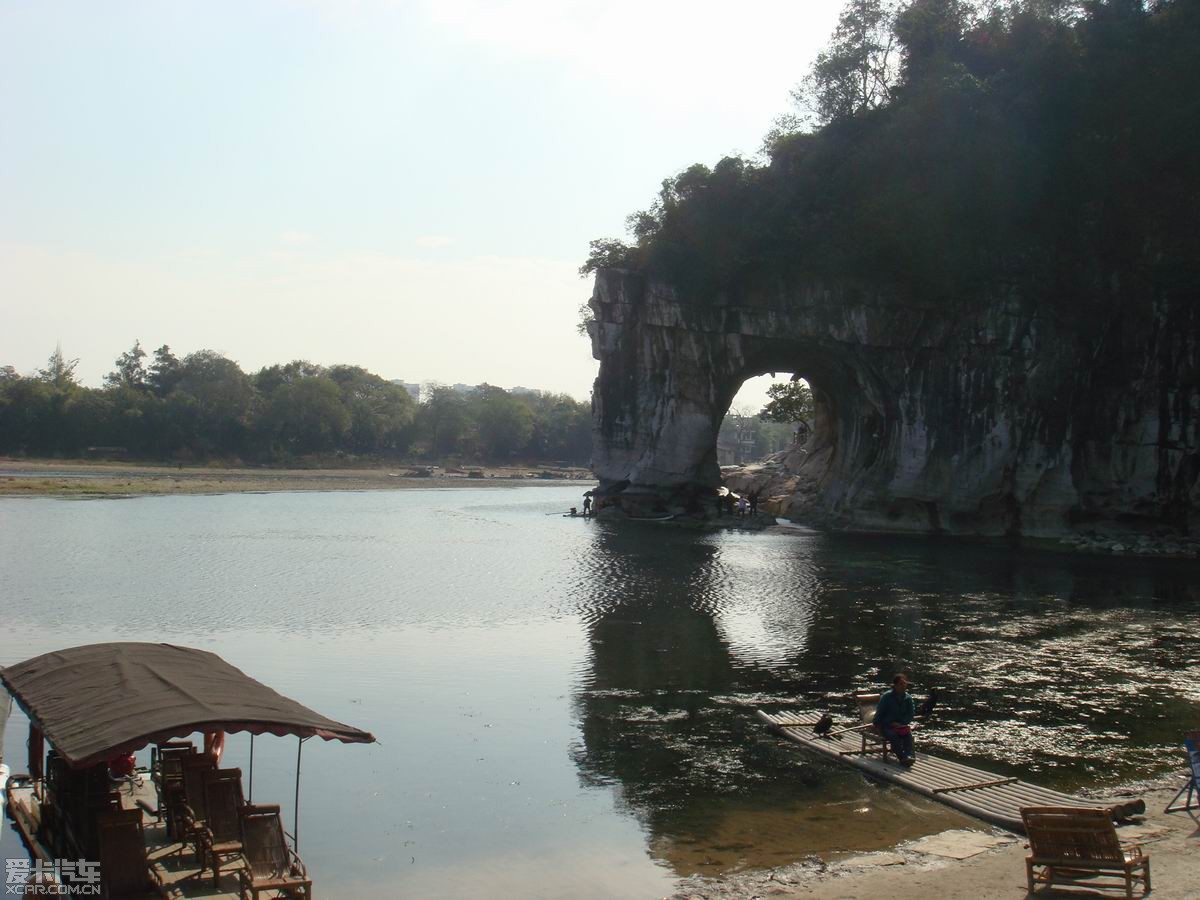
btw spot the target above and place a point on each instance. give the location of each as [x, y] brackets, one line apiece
[893, 718]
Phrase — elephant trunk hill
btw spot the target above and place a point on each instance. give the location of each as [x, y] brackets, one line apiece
[989, 275]
[1012, 420]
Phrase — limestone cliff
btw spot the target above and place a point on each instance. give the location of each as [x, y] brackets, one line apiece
[998, 416]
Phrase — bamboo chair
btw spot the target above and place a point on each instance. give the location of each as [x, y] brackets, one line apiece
[100, 800]
[167, 774]
[78, 796]
[125, 872]
[270, 864]
[192, 809]
[1191, 746]
[1079, 847]
[873, 740]
[167, 760]
[222, 831]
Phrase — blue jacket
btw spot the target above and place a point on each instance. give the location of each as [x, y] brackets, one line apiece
[894, 709]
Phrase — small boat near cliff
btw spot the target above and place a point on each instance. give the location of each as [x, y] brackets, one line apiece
[182, 827]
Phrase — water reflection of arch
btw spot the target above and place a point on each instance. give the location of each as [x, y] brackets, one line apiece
[665, 706]
[642, 603]
[665, 702]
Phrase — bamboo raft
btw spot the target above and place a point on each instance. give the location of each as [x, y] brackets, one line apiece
[973, 791]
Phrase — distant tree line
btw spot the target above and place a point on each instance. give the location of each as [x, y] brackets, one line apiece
[203, 406]
[947, 148]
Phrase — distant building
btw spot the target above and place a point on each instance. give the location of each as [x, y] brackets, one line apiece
[414, 390]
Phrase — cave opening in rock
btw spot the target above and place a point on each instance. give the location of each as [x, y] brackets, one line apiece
[776, 438]
[771, 413]
[670, 373]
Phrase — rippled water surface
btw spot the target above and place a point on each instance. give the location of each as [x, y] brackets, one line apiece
[566, 707]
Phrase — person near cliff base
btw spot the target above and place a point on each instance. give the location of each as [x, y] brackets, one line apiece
[754, 503]
[587, 503]
[893, 718]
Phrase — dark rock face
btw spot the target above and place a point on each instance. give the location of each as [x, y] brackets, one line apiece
[998, 417]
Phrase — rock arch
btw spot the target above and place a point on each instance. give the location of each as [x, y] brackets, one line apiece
[997, 418]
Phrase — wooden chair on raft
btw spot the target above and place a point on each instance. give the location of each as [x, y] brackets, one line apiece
[873, 740]
[125, 872]
[221, 833]
[269, 863]
[1079, 847]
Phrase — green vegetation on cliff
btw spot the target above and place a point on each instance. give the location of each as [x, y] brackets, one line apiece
[1042, 145]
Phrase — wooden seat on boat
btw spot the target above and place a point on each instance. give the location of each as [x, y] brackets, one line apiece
[269, 863]
[167, 774]
[99, 802]
[222, 831]
[58, 797]
[167, 764]
[74, 799]
[1079, 847]
[1191, 747]
[192, 809]
[125, 872]
[873, 740]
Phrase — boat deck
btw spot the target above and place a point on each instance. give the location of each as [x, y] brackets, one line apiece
[175, 863]
[976, 792]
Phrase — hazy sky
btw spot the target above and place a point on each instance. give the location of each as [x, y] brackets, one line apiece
[407, 186]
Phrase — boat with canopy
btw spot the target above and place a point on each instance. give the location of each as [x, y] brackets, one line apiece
[84, 800]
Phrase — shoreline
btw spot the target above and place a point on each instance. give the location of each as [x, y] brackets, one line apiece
[994, 868]
[83, 479]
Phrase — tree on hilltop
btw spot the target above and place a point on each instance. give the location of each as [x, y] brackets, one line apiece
[858, 70]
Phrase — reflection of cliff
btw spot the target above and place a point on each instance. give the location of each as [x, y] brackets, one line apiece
[665, 710]
[651, 718]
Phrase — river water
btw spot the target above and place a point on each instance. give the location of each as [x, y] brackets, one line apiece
[565, 707]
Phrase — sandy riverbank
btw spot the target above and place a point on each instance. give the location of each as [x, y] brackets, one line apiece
[73, 478]
[995, 867]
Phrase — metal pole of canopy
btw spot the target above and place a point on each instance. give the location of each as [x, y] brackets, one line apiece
[296, 813]
[251, 797]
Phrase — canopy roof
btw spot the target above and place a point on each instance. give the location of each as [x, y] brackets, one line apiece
[100, 700]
